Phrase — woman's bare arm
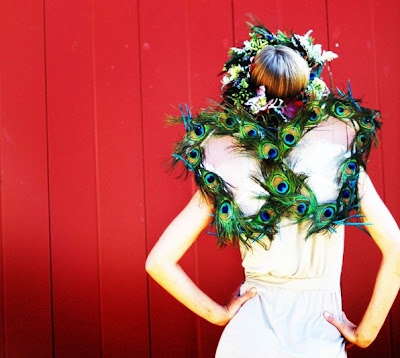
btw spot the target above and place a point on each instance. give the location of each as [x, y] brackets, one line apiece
[162, 264]
[386, 235]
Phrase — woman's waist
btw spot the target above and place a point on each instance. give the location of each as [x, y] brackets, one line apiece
[330, 282]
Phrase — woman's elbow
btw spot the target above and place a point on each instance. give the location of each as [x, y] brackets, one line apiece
[149, 265]
[156, 265]
[152, 264]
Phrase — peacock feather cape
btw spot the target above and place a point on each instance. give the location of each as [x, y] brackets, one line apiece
[267, 130]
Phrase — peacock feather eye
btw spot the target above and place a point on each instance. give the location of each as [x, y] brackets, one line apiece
[194, 157]
[345, 196]
[301, 208]
[282, 187]
[315, 116]
[194, 154]
[269, 151]
[367, 123]
[280, 184]
[210, 180]
[291, 135]
[300, 205]
[198, 132]
[249, 131]
[227, 122]
[272, 153]
[326, 213]
[240, 228]
[225, 211]
[351, 167]
[289, 139]
[341, 110]
[361, 140]
[266, 215]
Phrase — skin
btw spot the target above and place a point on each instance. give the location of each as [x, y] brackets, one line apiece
[163, 265]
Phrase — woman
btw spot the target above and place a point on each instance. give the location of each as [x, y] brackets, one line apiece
[281, 171]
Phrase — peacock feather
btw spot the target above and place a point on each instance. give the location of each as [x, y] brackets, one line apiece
[280, 181]
[289, 136]
[349, 169]
[313, 114]
[265, 149]
[347, 199]
[211, 184]
[230, 223]
[301, 206]
[268, 137]
[323, 219]
[264, 223]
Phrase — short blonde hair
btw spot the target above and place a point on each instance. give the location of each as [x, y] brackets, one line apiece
[282, 71]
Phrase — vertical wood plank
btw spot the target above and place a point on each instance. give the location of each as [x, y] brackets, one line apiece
[25, 259]
[164, 62]
[120, 180]
[73, 181]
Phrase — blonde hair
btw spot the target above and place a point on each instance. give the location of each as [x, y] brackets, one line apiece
[282, 71]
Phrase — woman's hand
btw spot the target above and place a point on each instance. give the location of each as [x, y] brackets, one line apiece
[347, 329]
[234, 304]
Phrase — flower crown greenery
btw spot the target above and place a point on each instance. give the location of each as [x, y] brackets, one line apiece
[237, 87]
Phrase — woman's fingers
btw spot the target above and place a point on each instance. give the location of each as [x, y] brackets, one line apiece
[236, 302]
[345, 327]
[249, 294]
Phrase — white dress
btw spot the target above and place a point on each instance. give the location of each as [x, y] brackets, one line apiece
[296, 279]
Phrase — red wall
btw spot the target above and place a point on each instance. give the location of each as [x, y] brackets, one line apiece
[84, 89]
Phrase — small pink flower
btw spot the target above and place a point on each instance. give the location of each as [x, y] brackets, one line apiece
[261, 91]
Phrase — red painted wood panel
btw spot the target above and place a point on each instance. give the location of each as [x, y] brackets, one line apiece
[164, 63]
[120, 197]
[73, 180]
[114, 70]
[26, 296]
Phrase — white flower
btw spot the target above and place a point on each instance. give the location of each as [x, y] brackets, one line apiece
[314, 51]
[247, 45]
[237, 50]
[256, 103]
[328, 56]
[317, 50]
[261, 91]
[305, 40]
[225, 81]
[259, 103]
[309, 32]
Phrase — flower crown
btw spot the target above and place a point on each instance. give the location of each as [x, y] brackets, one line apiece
[236, 80]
